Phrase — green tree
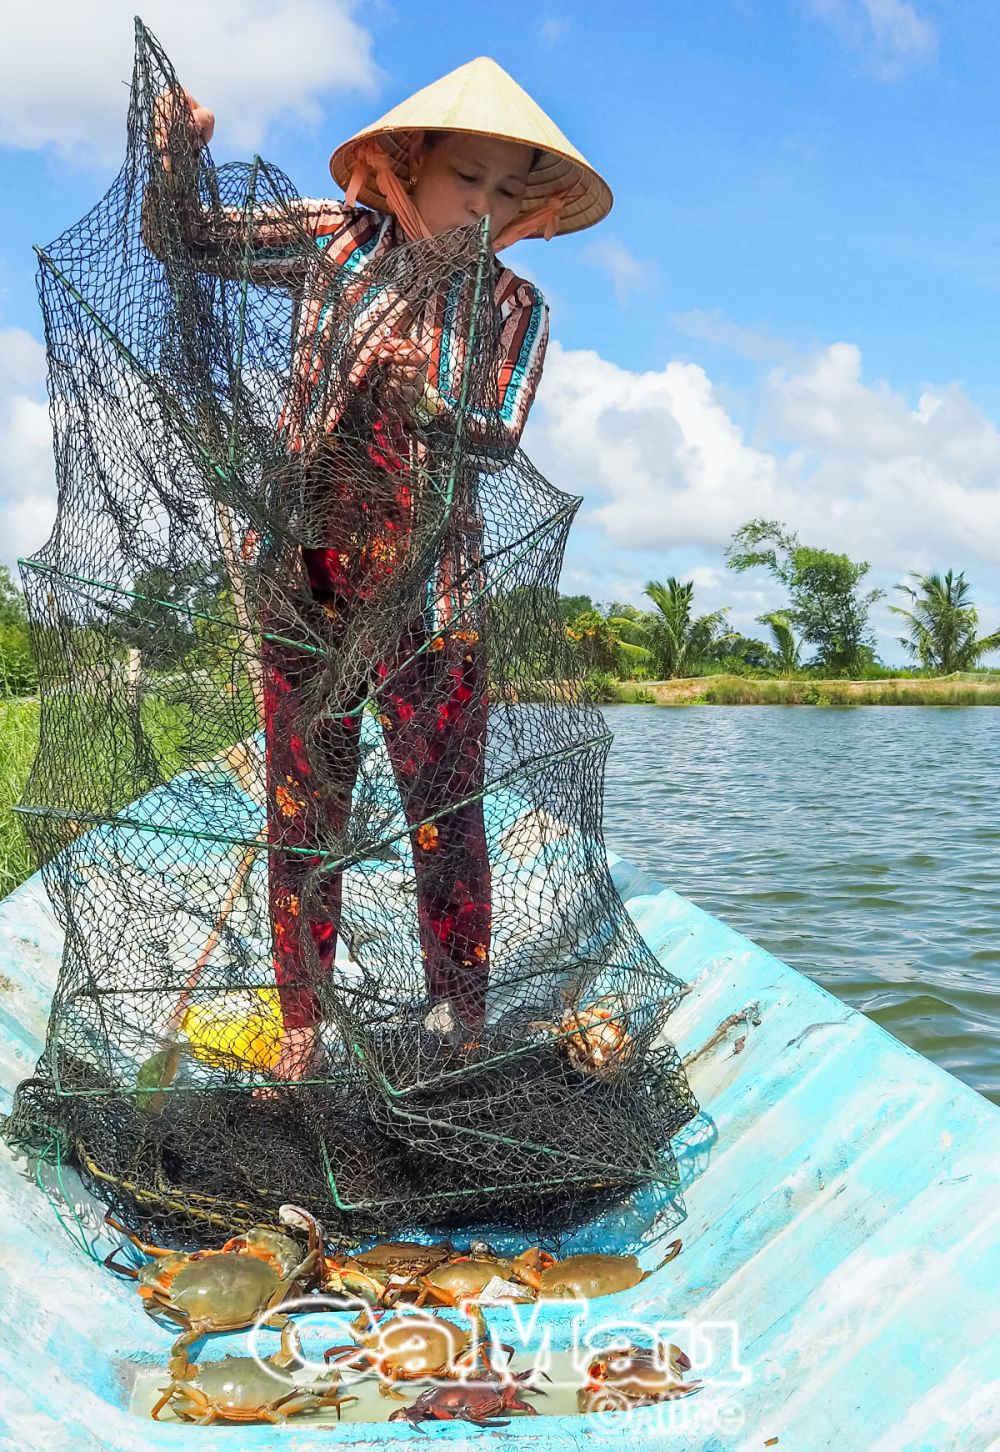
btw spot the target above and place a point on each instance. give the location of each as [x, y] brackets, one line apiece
[825, 602]
[164, 634]
[784, 647]
[570, 606]
[18, 672]
[601, 644]
[678, 640]
[12, 611]
[943, 624]
[739, 654]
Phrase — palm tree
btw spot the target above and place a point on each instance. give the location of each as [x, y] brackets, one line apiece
[679, 641]
[784, 646]
[943, 624]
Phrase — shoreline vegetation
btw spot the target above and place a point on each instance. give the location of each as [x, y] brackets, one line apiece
[963, 688]
[819, 651]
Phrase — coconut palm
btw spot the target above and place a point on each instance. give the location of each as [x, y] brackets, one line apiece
[784, 646]
[943, 624]
[679, 641]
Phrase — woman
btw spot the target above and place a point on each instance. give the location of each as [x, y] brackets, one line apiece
[470, 146]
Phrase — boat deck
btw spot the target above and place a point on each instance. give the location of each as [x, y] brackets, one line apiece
[841, 1257]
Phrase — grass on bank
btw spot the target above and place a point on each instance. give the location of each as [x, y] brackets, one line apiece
[18, 745]
[113, 764]
[958, 690]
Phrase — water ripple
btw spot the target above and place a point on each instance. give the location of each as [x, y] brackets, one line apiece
[859, 845]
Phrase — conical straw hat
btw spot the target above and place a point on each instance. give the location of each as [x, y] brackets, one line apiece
[482, 99]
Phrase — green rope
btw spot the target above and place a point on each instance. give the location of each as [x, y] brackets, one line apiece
[30, 564]
[77, 1232]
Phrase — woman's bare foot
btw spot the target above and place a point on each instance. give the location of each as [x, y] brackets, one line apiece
[294, 1061]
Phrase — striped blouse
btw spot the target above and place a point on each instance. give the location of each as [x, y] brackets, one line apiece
[350, 238]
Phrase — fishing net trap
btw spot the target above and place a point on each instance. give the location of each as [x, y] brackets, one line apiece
[315, 764]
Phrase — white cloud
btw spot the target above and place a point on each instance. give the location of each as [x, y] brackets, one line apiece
[27, 475]
[62, 65]
[757, 344]
[889, 34]
[553, 29]
[627, 273]
[850, 465]
[656, 454]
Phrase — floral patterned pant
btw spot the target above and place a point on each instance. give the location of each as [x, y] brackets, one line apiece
[433, 709]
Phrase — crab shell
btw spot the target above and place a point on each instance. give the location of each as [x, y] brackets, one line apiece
[471, 1403]
[639, 1372]
[409, 1347]
[223, 1289]
[466, 1277]
[593, 1037]
[369, 1273]
[402, 1255]
[279, 1250]
[239, 1389]
[586, 1276]
[240, 1384]
[638, 1384]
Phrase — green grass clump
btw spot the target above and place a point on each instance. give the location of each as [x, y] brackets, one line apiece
[115, 757]
[18, 745]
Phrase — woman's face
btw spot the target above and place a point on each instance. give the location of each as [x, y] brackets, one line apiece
[461, 178]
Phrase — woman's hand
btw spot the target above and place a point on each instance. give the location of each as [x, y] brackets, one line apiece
[404, 362]
[174, 106]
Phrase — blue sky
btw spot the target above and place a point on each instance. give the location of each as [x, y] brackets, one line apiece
[792, 310]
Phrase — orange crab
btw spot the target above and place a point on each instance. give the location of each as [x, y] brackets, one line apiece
[593, 1038]
[378, 1274]
[229, 1288]
[413, 1346]
[635, 1376]
[592, 1274]
[465, 1277]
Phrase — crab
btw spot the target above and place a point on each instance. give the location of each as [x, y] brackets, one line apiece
[241, 1283]
[583, 1277]
[377, 1274]
[635, 1376]
[245, 1389]
[413, 1346]
[593, 1038]
[464, 1278]
[480, 1401]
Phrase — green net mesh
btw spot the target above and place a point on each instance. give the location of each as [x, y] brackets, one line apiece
[315, 764]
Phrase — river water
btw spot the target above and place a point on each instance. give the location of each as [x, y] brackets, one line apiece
[862, 846]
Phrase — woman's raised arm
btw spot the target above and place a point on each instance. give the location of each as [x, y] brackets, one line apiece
[268, 244]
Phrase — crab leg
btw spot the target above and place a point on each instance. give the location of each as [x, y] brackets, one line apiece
[111, 1264]
[283, 1288]
[483, 1338]
[335, 1356]
[155, 1252]
[290, 1353]
[673, 1250]
[180, 1365]
[165, 1396]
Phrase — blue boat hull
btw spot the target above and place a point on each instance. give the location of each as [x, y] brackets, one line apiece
[838, 1283]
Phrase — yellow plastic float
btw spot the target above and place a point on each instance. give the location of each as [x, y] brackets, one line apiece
[244, 1026]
